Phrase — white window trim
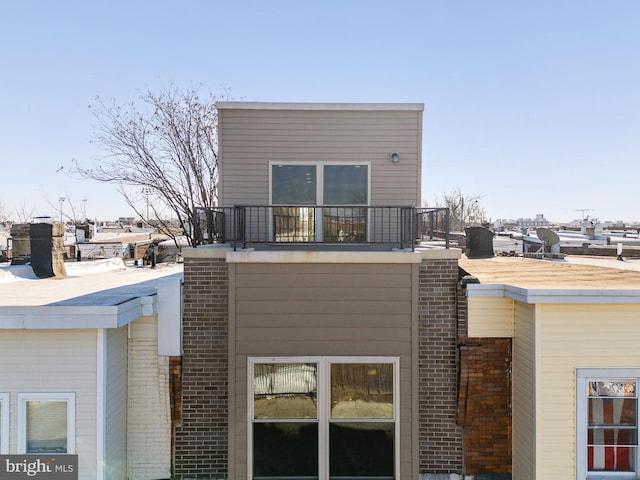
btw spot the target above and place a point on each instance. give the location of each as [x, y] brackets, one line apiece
[4, 422]
[69, 397]
[324, 400]
[582, 375]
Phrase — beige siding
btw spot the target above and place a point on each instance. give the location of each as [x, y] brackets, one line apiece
[116, 404]
[54, 361]
[249, 139]
[570, 337]
[361, 310]
[490, 317]
[149, 426]
[524, 391]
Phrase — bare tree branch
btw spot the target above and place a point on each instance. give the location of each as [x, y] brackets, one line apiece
[166, 144]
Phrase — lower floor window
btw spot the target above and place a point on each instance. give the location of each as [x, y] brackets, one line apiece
[46, 423]
[608, 422]
[323, 418]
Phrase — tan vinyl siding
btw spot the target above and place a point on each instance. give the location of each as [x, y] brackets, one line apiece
[490, 317]
[321, 310]
[524, 391]
[116, 404]
[54, 361]
[249, 139]
[576, 336]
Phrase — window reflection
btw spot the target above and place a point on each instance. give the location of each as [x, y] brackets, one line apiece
[285, 390]
[361, 390]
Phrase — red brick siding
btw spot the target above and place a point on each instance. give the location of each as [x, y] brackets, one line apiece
[201, 439]
[440, 439]
[484, 404]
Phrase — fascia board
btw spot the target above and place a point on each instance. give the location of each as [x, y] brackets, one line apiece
[555, 296]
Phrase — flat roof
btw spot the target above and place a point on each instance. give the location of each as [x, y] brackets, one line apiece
[94, 294]
[320, 106]
[576, 279]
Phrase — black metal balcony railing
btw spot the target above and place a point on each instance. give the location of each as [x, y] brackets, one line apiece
[252, 225]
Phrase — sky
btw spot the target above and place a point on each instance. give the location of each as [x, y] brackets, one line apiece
[533, 107]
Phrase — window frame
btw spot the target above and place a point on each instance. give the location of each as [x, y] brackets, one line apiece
[319, 201]
[324, 419]
[583, 377]
[24, 398]
[4, 423]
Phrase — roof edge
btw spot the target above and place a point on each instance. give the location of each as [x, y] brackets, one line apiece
[418, 107]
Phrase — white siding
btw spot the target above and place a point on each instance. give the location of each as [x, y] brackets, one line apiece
[571, 337]
[54, 361]
[116, 404]
[149, 429]
[490, 317]
[524, 390]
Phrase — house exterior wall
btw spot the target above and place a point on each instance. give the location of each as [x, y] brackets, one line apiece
[69, 358]
[149, 426]
[252, 135]
[570, 337]
[115, 446]
[313, 309]
[236, 306]
[490, 317]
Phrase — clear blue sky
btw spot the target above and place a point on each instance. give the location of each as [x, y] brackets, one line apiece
[534, 105]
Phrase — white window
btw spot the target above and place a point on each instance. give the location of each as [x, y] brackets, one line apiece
[323, 418]
[4, 423]
[340, 189]
[46, 423]
[607, 423]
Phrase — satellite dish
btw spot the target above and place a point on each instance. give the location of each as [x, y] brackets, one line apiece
[549, 239]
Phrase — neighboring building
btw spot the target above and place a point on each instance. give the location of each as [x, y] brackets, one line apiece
[319, 341]
[576, 365]
[80, 367]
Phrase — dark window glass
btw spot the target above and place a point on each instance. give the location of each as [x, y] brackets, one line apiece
[345, 184]
[293, 185]
[361, 450]
[285, 450]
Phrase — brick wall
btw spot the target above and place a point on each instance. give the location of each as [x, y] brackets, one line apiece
[200, 448]
[440, 439]
[484, 404]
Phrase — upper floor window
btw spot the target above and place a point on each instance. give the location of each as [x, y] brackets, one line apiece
[323, 418]
[46, 423]
[319, 201]
[607, 422]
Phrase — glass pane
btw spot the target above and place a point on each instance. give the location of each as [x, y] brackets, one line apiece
[285, 450]
[294, 224]
[611, 458]
[293, 185]
[612, 411]
[347, 225]
[361, 450]
[612, 388]
[361, 390]
[285, 390]
[345, 184]
[46, 427]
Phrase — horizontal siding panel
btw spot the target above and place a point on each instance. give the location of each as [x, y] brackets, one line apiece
[257, 280]
[321, 347]
[490, 317]
[292, 320]
[328, 294]
[312, 334]
[373, 274]
[330, 308]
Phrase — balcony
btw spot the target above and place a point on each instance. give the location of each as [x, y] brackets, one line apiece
[321, 227]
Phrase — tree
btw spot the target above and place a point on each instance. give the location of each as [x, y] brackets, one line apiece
[463, 209]
[163, 151]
